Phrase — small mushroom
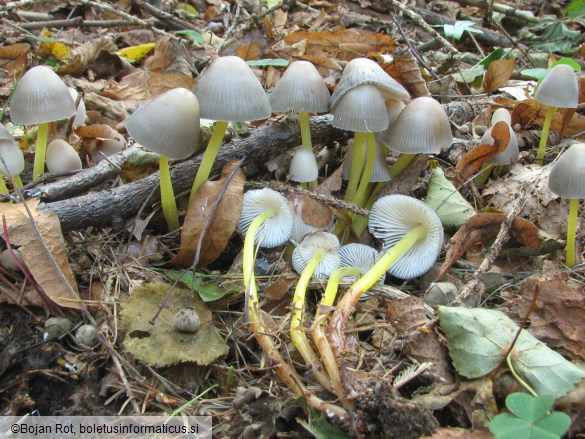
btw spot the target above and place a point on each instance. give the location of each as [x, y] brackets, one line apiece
[87, 335]
[10, 260]
[303, 167]
[62, 157]
[187, 320]
[11, 159]
[80, 112]
[566, 180]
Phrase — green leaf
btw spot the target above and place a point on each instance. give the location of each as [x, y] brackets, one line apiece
[525, 406]
[540, 73]
[576, 8]
[276, 62]
[494, 56]
[322, 429]
[551, 35]
[469, 75]
[477, 339]
[194, 35]
[208, 291]
[506, 426]
[455, 31]
[43, 39]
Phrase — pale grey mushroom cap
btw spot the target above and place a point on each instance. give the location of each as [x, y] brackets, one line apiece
[392, 217]
[559, 88]
[229, 91]
[359, 256]
[303, 166]
[311, 244]
[275, 230]
[380, 171]
[362, 109]
[362, 71]
[510, 154]
[301, 88]
[167, 124]
[62, 157]
[107, 147]
[567, 177]
[40, 96]
[422, 127]
[12, 162]
[501, 115]
[394, 107]
[80, 112]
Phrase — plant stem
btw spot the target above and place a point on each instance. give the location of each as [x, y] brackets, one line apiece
[358, 199]
[544, 135]
[305, 130]
[209, 156]
[401, 164]
[333, 285]
[40, 150]
[167, 196]
[3, 187]
[517, 377]
[17, 181]
[248, 251]
[357, 164]
[572, 231]
[297, 334]
[483, 175]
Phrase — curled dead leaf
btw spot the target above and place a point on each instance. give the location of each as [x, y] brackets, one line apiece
[223, 223]
[84, 55]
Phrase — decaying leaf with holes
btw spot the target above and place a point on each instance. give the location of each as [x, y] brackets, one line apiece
[21, 234]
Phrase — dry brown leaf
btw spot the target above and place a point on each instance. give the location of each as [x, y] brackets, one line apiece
[17, 56]
[558, 316]
[21, 234]
[405, 70]
[168, 57]
[459, 433]
[84, 55]
[223, 223]
[97, 131]
[472, 160]
[249, 52]
[498, 73]
[484, 227]
[530, 112]
[280, 287]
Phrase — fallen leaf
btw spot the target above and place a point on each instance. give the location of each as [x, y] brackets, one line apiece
[280, 287]
[159, 344]
[405, 70]
[168, 57]
[483, 227]
[498, 73]
[82, 56]
[249, 52]
[222, 225]
[21, 234]
[472, 161]
[17, 54]
[49, 47]
[136, 53]
[530, 112]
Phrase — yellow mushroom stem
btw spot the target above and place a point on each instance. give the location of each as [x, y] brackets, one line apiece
[40, 150]
[209, 157]
[484, 174]
[305, 130]
[167, 195]
[540, 152]
[572, 231]
[401, 164]
[3, 187]
[17, 181]
[297, 333]
[357, 164]
[359, 198]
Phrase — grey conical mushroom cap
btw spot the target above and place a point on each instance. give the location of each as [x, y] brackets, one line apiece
[567, 177]
[303, 166]
[312, 243]
[380, 171]
[362, 71]
[359, 256]
[301, 88]
[229, 91]
[392, 217]
[275, 230]
[40, 96]
[12, 162]
[559, 88]
[422, 127]
[362, 109]
[167, 124]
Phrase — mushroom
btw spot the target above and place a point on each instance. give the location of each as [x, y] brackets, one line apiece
[40, 97]
[80, 112]
[566, 180]
[301, 89]
[11, 160]
[303, 167]
[558, 89]
[228, 91]
[421, 127]
[317, 255]
[169, 126]
[107, 147]
[62, 157]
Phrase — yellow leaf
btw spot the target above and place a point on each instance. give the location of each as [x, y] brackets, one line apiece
[57, 50]
[136, 53]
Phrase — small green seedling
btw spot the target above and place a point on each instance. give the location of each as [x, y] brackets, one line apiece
[530, 419]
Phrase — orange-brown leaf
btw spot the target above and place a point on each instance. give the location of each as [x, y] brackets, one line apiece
[249, 52]
[222, 224]
[472, 161]
[530, 112]
[498, 73]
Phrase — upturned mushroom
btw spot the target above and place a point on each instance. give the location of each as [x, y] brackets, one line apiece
[228, 91]
[558, 89]
[169, 126]
[567, 180]
[62, 157]
[301, 89]
[40, 97]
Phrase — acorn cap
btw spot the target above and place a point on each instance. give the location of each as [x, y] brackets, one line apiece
[362, 109]
[301, 88]
[422, 127]
[62, 157]
[559, 88]
[40, 96]
[80, 112]
[392, 217]
[313, 243]
[359, 256]
[229, 91]
[11, 154]
[360, 71]
[567, 177]
[168, 124]
[303, 166]
[275, 230]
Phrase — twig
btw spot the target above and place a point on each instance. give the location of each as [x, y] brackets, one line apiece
[80, 22]
[170, 19]
[23, 4]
